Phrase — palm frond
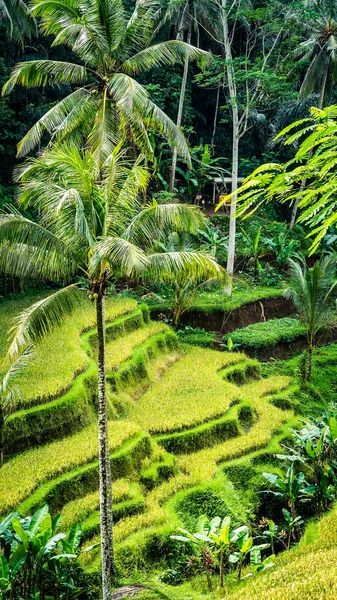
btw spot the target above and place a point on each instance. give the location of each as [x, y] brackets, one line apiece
[123, 257]
[163, 218]
[133, 100]
[162, 54]
[15, 370]
[40, 318]
[29, 250]
[59, 121]
[35, 73]
[180, 267]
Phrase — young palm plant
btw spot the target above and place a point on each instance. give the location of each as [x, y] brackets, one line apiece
[314, 292]
[91, 223]
[9, 394]
[111, 49]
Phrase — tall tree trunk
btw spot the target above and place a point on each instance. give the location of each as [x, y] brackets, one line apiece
[181, 108]
[309, 365]
[304, 182]
[216, 113]
[2, 436]
[236, 137]
[108, 563]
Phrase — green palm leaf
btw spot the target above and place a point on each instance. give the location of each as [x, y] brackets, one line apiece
[29, 250]
[40, 318]
[35, 73]
[165, 53]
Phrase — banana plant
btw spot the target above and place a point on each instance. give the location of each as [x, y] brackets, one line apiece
[201, 543]
[292, 525]
[288, 486]
[38, 561]
[245, 548]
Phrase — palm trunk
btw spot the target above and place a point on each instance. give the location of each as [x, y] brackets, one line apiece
[2, 437]
[108, 564]
[180, 109]
[216, 113]
[236, 138]
[309, 366]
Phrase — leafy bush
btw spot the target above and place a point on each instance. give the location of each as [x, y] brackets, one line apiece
[37, 560]
[197, 337]
[269, 333]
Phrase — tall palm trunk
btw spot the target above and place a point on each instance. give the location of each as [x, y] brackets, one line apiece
[216, 114]
[181, 108]
[108, 564]
[236, 137]
[2, 436]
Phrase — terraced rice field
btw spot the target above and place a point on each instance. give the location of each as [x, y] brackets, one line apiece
[178, 415]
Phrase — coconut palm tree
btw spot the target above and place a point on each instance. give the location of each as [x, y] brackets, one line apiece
[17, 19]
[320, 49]
[107, 102]
[314, 292]
[92, 230]
[10, 392]
[189, 16]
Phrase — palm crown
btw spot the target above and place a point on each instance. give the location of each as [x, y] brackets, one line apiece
[112, 49]
[320, 49]
[92, 229]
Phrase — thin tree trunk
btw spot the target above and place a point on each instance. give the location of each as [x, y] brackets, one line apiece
[180, 109]
[309, 367]
[108, 564]
[236, 138]
[2, 437]
[216, 113]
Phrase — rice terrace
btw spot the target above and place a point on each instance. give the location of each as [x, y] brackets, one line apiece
[168, 300]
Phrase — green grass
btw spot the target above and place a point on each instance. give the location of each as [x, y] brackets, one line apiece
[78, 510]
[117, 351]
[190, 392]
[202, 465]
[49, 374]
[307, 572]
[20, 476]
[209, 301]
[268, 333]
[315, 394]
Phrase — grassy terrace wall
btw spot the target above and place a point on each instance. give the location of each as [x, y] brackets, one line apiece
[75, 408]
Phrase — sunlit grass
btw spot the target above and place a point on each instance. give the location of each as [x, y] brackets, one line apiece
[23, 474]
[202, 465]
[60, 355]
[121, 349]
[304, 573]
[78, 510]
[190, 392]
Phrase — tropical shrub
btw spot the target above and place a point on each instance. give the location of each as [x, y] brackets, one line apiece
[37, 561]
[313, 291]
